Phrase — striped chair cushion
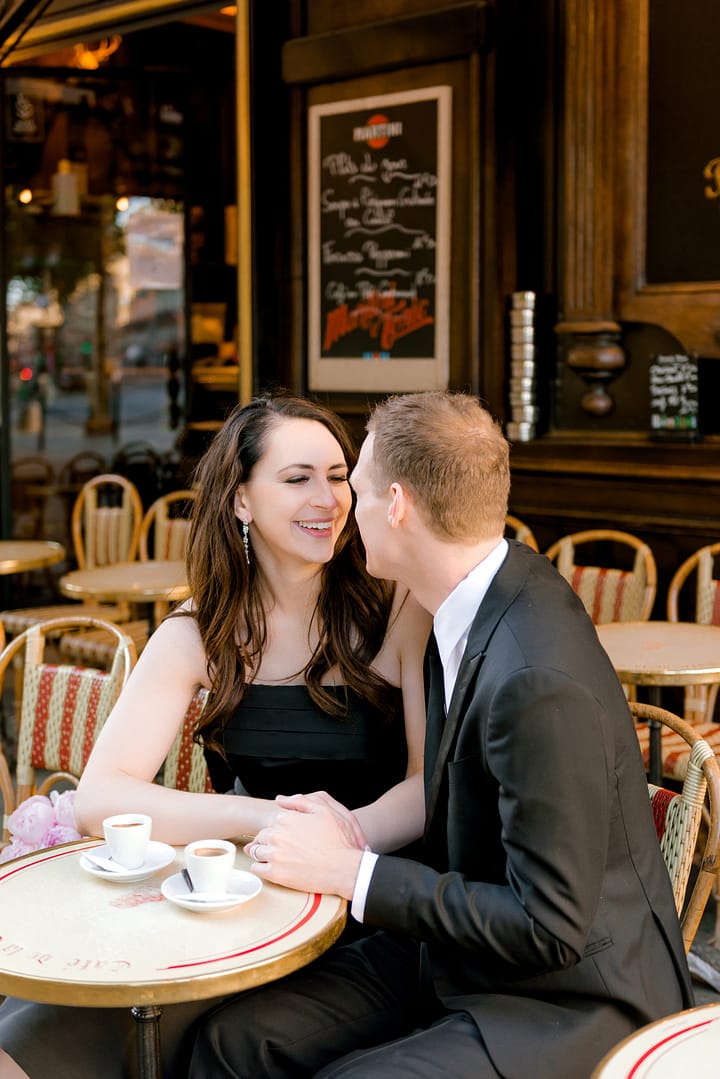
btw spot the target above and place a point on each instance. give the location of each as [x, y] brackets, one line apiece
[170, 536]
[677, 822]
[609, 595]
[108, 532]
[63, 709]
[185, 768]
[707, 602]
[96, 647]
[675, 750]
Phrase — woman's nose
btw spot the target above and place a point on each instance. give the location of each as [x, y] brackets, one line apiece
[324, 494]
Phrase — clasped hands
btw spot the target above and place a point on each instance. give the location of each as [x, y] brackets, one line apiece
[313, 844]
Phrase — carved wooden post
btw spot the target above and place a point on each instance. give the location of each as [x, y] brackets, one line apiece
[588, 332]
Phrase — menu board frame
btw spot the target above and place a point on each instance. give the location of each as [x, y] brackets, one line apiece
[375, 326]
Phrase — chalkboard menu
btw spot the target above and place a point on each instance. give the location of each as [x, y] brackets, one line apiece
[379, 223]
[674, 397]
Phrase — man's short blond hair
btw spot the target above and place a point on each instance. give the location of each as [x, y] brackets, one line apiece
[450, 455]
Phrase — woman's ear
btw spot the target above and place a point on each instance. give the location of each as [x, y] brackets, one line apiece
[240, 507]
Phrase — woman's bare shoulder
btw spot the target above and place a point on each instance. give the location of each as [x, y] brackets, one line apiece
[176, 647]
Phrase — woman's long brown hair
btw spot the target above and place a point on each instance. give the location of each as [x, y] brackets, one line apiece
[353, 608]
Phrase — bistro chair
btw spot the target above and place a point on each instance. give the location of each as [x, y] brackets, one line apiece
[694, 596]
[609, 594]
[32, 480]
[185, 768]
[78, 469]
[139, 462]
[62, 708]
[163, 534]
[105, 527]
[166, 525]
[678, 817]
[518, 530]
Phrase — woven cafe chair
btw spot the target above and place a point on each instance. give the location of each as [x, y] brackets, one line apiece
[28, 506]
[185, 768]
[165, 527]
[609, 594]
[163, 534]
[63, 708]
[678, 817]
[105, 527]
[518, 530]
[701, 604]
[81, 467]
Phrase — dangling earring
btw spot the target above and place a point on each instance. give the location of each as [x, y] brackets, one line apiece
[246, 542]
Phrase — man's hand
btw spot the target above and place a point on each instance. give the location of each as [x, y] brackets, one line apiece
[308, 848]
[347, 820]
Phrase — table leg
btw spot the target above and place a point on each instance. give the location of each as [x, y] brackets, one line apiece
[655, 768]
[147, 1029]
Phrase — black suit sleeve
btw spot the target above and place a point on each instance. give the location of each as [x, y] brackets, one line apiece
[543, 747]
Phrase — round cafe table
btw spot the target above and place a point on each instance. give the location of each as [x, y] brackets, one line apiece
[69, 937]
[150, 582]
[18, 556]
[687, 1043]
[657, 654]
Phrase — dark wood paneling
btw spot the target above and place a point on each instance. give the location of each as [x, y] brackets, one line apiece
[392, 43]
[667, 495]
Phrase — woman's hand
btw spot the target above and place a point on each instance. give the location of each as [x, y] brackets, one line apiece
[348, 822]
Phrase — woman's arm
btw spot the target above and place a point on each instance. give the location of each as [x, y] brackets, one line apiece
[136, 739]
[398, 816]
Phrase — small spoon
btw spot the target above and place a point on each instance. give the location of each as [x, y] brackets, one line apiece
[104, 863]
[203, 897]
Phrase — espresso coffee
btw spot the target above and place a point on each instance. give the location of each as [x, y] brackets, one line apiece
[128, 835]
[210, 863]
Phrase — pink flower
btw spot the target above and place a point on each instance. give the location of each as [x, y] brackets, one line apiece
[41, 822]
[64, 812]
[32, 819]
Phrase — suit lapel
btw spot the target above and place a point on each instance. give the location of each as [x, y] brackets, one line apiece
[503, 589]
[466, 674]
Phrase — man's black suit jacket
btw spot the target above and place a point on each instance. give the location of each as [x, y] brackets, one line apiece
[545, 906]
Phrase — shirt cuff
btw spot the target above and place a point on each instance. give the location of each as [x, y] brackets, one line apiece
[362, 885]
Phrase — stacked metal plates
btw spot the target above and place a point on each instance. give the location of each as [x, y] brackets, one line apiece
[523, 401]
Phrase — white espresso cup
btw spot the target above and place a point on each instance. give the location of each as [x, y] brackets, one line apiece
[127, 835]
[210, 863]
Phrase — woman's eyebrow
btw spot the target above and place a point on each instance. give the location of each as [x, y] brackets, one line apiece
[311, 468]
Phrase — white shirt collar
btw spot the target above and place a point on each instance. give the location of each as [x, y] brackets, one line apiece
[455, 615]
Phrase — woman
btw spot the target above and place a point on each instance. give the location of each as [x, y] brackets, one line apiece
[315, 670]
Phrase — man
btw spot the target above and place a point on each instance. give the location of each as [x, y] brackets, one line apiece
[540, 929]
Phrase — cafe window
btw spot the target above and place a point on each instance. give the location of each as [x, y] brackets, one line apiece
[119, 275]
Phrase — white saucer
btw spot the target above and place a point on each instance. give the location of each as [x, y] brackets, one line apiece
[158, 856]
[243, 886]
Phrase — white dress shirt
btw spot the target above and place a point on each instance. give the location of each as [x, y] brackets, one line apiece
[451, 626]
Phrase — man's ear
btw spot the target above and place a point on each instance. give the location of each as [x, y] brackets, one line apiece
[398, 505]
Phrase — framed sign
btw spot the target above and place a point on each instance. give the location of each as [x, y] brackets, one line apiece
[674, 397]
[379, 242]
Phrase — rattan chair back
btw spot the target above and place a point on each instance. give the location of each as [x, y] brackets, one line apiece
[185, 768]
[609, 594]
[518, 530]
[106, 520]
[63, 707]
[166, 525]
[699, 604]
[678, 817]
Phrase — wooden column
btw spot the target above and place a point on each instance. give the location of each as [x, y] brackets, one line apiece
[589, 335]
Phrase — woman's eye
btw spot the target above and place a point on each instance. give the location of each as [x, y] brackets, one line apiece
[297, 479]
[339, 479]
